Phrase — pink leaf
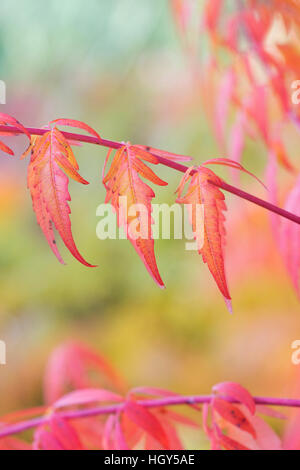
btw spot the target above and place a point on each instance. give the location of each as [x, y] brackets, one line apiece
[45, 440]
[65, 434]
[89, 396]
[233, 414]
[237, 138]
[145, 420]
[236, 392]
[222, 106]
[75, 366]
[290, 238]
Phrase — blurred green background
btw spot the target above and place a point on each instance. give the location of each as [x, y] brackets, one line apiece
[119, 66]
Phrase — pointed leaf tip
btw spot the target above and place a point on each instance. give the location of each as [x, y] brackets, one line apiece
[123, 182]
[229, 305]
[208, 223]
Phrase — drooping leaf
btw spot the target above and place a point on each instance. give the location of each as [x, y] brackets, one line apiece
[131, 199]
[58, 434]
[113, 436]
[52, 161]
[223, 101]
[289, 238]
[45, 440]
[206, 206]
[236, 392]
[234, 426]
[266, 438]
[230, 444]
[65, 433]
[237, 138]
[147, 421]
[232, 413]
[74, 366]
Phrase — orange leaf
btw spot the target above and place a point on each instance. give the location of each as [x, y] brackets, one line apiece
[51, 158]
[131, 199]
[208, 224]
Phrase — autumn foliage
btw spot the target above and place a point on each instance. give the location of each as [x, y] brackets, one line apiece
[80, 414]
[245, 85]
[53, 162]
[261, 109]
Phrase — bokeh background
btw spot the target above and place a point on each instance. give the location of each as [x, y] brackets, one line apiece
[119, 66]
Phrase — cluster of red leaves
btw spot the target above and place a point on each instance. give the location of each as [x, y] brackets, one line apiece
[247, 89]
[237, 426]
[53, 162]
[90, 416]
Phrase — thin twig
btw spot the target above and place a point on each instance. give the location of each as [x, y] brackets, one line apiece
[154, 403]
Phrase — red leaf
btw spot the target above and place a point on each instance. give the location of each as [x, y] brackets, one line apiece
[76, 124]
[289, 238]
[237, 138]
[145, 420]
[119, 436]
[51, 158]
[113, 435]
[236, 392]
[45, 440]
[127, 192]
[266, 438]
[87, 396]
[74, 366]
[230, 444]
[58, 434]
[231, 413]
[225, 94]
[212, 13]
[65, 434]
[257, 106]
[208, 224]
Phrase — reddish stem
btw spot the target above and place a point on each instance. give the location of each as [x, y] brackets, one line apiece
[163, 161]
[154, 403]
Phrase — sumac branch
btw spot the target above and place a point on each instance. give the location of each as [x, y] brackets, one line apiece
[53, 162]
